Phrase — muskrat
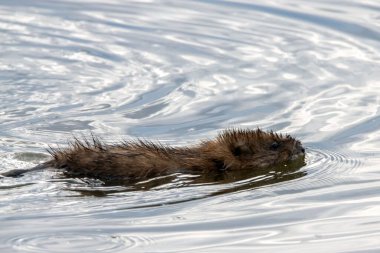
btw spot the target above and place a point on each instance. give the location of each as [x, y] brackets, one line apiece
[231, 150]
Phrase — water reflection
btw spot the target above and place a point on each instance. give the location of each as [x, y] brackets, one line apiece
[230, 181]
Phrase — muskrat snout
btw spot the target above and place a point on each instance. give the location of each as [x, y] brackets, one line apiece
[298, 152]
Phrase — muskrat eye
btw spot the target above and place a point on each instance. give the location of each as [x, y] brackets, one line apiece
[274, 145]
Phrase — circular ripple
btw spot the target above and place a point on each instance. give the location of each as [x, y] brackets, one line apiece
[325, 162]
[71, 242]
[325, 167]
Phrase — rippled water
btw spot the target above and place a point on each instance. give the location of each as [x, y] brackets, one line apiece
[178, 71]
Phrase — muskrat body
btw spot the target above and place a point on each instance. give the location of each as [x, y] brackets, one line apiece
[231, 150]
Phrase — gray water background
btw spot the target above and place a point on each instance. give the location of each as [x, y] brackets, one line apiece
[179, 71]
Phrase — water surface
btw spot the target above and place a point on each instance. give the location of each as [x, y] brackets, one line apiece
[179, 71]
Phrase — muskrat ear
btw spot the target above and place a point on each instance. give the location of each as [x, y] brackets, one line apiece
[241, 149]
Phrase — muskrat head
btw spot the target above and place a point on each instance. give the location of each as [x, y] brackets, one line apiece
[259, 149]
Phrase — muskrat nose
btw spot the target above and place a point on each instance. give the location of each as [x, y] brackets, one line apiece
[299, 152]
[300, 149]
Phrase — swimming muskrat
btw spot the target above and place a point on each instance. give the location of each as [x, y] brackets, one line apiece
[231, 150]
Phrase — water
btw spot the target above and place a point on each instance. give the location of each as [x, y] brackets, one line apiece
[179, 71]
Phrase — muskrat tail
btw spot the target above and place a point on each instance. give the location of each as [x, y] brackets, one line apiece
[21, 172]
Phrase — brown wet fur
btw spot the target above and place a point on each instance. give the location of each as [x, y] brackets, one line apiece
[232, 150]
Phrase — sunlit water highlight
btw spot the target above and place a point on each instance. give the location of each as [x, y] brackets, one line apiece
[179, 71]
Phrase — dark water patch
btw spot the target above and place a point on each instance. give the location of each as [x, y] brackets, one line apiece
[146, 111]
[69, 126]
